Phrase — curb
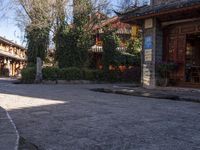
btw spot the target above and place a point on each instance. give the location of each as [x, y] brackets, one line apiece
[147, 95]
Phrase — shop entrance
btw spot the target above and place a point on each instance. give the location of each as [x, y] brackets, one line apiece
[192, 67]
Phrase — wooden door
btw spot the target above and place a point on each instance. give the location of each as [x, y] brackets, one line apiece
[175, 52]
[172, 48]
[181, 50]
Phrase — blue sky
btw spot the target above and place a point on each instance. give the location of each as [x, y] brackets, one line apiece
[9, 29]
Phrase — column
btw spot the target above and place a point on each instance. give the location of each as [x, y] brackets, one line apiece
[152, 51]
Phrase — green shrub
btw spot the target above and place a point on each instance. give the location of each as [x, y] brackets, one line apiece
[88, 74]
[50, 73]
[133, 74]
[71, 73]
[114, 76]
[28, 74]
[5, 72]
[99, 75]
[93, 75]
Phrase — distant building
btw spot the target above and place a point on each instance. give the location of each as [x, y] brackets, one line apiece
[123, 31]
[12, 58]
[171, 33]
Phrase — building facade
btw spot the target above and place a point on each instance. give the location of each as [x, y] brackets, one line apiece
[171, 33]
[12, 58]
[122, 30]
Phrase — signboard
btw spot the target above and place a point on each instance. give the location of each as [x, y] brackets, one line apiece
[148, 23]
[148, 42]
[146, 75]
[148, 55]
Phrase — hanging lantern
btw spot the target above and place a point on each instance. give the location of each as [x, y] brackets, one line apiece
[5, 61]
[134, 31]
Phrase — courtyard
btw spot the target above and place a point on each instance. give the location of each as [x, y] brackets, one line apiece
[72, 117]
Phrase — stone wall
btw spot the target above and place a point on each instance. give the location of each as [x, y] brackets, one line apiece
[149, 66]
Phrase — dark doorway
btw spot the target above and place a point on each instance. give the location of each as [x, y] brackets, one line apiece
[193, 58]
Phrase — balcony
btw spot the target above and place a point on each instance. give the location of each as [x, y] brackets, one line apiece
[11, 54]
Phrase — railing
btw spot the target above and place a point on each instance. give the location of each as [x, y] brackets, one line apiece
[99, 49]
[11, 54]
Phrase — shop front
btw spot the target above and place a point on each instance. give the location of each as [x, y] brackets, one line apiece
[171, 34]
[182, 46]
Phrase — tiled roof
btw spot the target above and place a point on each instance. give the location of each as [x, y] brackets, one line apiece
[4, 40]
[147, 9]
[115, 23]
[106, 22]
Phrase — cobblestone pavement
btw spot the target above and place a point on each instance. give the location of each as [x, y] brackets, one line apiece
[71, 117]
[9, 136]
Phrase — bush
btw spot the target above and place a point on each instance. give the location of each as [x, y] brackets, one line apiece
[94, 75]
[99, 75]
[28, 74]
[5, 72]
[113, 76]
[71, 73]
[165, 68]
[88, 74]
[50, 73]
[133, 74]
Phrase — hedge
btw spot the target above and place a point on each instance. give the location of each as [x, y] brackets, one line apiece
[28, 74]
[73, 73]
[50, 73]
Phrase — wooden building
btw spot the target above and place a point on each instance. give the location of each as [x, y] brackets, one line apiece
[123, 31]
[171, 33]
[12, 58]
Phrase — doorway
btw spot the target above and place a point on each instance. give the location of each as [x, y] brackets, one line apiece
[193, 58]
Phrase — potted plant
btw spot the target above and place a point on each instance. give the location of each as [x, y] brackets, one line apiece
[164, 69]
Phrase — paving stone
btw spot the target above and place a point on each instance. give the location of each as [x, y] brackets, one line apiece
[81, 119]
[8, 136]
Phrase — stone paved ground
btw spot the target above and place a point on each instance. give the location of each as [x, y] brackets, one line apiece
[8, 134]
[71, 117]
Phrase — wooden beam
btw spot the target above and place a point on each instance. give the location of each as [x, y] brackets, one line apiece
[178, 21]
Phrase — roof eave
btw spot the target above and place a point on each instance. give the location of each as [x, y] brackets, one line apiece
[138, 18]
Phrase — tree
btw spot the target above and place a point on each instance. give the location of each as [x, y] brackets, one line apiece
[37, 18]
[40, 17]
[110, 45]
[37, 41]
[73, 41]
[37, 24]
[125, 5]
